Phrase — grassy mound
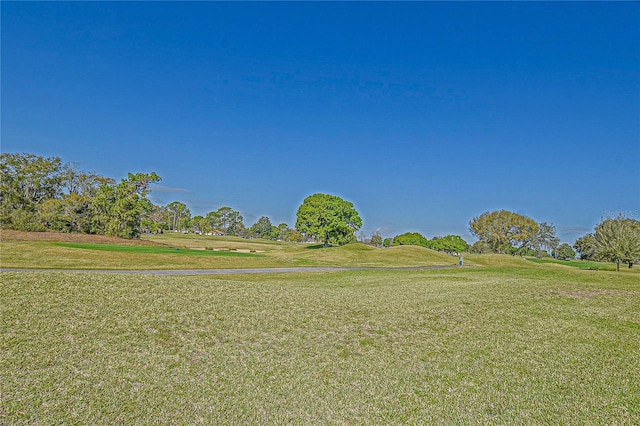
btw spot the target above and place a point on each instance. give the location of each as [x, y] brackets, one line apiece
[178, 251]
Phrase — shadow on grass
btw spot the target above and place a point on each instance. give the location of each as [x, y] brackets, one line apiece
[318, 246]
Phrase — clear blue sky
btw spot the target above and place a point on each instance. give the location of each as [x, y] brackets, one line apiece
[424, 115]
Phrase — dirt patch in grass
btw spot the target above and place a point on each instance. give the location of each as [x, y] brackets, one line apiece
[11, 235]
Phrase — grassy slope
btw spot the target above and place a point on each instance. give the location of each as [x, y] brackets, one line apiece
[581, 264]
[492, 345]
[50, 254]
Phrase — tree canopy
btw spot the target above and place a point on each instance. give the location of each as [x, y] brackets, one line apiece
[545, 239]
[225, 220]
[452, 244]
[38, 194]
[177, 215]
[410, 239]
[262, 228]
[328, 218]
[118, 210]
[618, 240]
[502, 230]
[564, 252]
[586, 247]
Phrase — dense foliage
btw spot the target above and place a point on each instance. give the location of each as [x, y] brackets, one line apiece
[586, 247]
[614, 240]
[38, 194]
[328, 218]
[618, 240]
[410, 239]
[564, 252]
[501, 230]
[452, 244]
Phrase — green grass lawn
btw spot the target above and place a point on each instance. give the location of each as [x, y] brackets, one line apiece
[580, 264]
[189, 252]
[519, 343]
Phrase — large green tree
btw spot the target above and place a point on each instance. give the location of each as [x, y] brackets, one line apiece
[618, 240]
[198, 224]
[262, 228]
[178, 215]
[328, 218]
[410, 239]
[42, 193]
[545, 239]
[564, 252]
[75, 204]
[71, 213]
[226, 220]
[586, 247]
[27, 181]
[502, 230]
[282, 232]
[452, 244]
[118, 210]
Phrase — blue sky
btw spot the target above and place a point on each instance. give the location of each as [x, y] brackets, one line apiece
[423, 115]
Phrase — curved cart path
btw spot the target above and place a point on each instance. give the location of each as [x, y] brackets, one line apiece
[230, 271]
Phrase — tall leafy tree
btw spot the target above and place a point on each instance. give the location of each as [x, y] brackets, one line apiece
[118, 210]
[452, 244]
[586, 247]
[74, 208]
[503, 230]
[618, 240]
[564, 252]
[226, 220]
[154, 220]
[178, 215]
[328, 218]
[71, 213]
[376, 239]
[26, 181]
[262, 228]
[283, 232]
[545, 239]
[81, 183]
[198, 224]
[410, 239]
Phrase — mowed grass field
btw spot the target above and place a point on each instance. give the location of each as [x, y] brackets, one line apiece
[178, 251]
[507, 341]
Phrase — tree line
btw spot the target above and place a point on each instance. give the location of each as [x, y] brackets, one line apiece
[44, 194]
[451, 244]
[615, 239]
[39, 194]
[176, 217]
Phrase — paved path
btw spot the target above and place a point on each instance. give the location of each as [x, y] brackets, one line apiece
[228, 271]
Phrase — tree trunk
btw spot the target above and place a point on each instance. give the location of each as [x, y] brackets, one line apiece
[617, 265]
